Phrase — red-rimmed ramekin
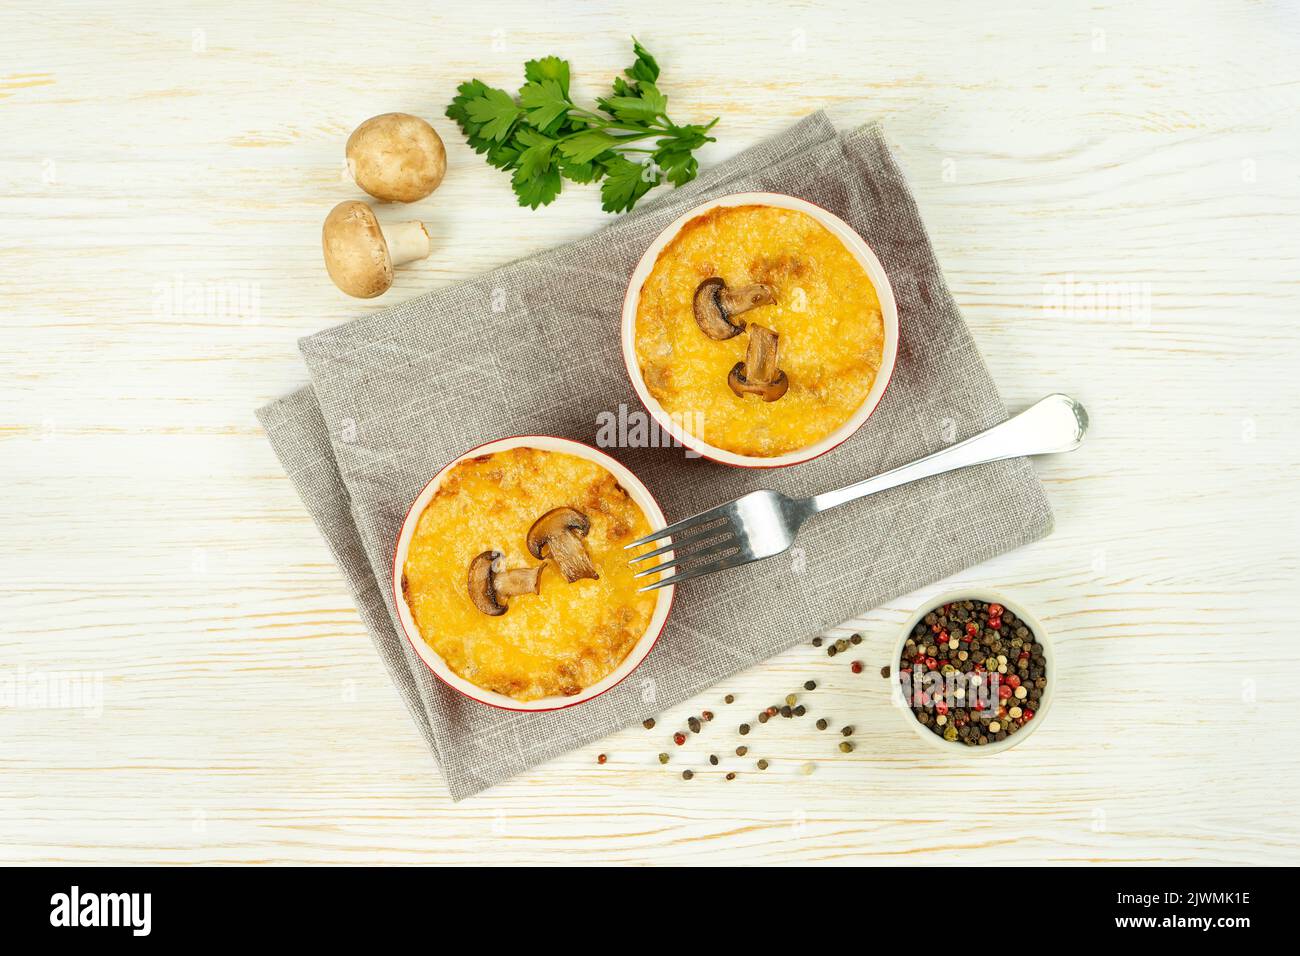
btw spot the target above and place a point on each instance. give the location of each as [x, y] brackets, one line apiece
[634, 487]
[857, 248]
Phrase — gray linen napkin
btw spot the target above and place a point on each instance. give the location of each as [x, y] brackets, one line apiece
[533, 348]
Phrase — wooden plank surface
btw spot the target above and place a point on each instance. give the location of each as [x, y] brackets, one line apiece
[1114, 192]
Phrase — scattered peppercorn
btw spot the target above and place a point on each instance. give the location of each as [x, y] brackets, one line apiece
[663, 758]
[687, 774]
[744, 729]
[846, 731]
[790, 700]
[810, 685]
[884, 671]
[817, 642]
[731, 776]
[742, 750]
[601, 758]
[707, 715]
[830, 651]
[713, 759]
[694, 724]
[800, 710]
[648, 723]
[762, 765]
[855, 639]
[846, 747]
[729, 699]
[679, 738]
[822, 724]
[856, 667]
[787, 711]
[763, 718]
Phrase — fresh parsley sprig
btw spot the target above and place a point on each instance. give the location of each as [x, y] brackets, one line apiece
[543, 138]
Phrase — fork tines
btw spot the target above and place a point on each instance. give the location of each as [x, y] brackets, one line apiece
[698, 545]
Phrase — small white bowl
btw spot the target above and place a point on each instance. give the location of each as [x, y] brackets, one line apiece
[644, 500]
[865, 258]
[953, 746]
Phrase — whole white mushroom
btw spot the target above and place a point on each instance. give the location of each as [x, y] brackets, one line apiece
[396, 157]
[361, 254]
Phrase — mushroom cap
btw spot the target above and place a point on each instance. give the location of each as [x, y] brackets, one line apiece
[356, 253]
[396, 157]
[710, 316]
[767, 391]
[481, 591]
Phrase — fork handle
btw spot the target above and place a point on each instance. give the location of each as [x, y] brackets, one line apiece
[1054, 424]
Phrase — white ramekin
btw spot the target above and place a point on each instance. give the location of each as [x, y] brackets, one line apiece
[634, 487]
[860, 251]
[955, 747]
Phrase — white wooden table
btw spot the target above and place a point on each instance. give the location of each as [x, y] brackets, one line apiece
[1114, 194]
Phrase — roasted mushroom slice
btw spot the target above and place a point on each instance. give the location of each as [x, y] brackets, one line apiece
[758, 374]
[715, 305]
[491, 590]
[559, 534]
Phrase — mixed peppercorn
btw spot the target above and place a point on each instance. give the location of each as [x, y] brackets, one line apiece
[972, 672]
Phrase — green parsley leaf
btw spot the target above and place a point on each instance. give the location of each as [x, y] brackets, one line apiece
[537, 190]
[678, 165]
[586, 146]
[544, 102]
[581, 172]
[625, 183]
[549, 68]
[536, 158]
[645, 67]
[649, 105]
[458, 111]
[495, 111]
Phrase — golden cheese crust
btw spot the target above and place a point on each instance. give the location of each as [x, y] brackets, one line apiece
[827, 314]
[556, 642]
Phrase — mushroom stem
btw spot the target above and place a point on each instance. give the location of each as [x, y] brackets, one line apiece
[571, 557]
[759, 374]
[517, 581]
[760, 356]
[407, 241]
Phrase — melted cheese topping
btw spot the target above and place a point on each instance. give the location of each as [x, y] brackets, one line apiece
[556, 642]
[826, 313]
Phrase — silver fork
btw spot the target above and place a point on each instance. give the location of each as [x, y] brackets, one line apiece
[763, 524]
